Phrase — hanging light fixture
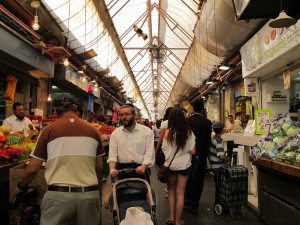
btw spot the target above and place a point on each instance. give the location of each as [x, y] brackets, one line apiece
[49, 99]
[283, 20]
[35, 24]
[96, 87]
[35, 5]
[66, 62]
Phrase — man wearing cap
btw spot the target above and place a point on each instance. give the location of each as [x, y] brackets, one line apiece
[201, 127]
[72, 149]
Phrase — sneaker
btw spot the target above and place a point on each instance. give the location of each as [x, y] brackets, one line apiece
[166, 190]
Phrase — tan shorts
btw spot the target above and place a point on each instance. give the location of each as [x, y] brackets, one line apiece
[65, 207]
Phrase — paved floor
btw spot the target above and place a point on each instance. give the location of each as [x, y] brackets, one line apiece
[205, 216]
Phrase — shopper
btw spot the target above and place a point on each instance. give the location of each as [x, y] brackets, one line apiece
[201, 127]
[72, 149]
[147, 124]
[131, 146]
[163, 127]
[18, 122]
[156, 132]
[217, 157]
[180, 140]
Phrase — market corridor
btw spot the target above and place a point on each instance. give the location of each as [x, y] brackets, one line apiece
[205, 216]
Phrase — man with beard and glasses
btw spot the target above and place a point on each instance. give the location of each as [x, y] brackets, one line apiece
[131, 146]
[18, 122]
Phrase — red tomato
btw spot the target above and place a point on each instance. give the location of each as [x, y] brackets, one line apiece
[3, 139]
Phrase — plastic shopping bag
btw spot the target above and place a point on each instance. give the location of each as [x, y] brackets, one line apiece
[135, 216]
[11, 87]
[106, 192]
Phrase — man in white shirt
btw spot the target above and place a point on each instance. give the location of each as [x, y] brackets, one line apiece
[18, 122]
[131, 145]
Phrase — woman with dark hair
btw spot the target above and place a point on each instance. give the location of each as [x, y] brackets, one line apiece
[163, 127]
[180, 140]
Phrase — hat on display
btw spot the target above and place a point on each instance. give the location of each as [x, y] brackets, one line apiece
[218, 124]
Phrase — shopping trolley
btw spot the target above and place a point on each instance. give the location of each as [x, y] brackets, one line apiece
[233, 190]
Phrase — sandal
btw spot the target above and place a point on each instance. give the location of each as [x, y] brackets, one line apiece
[181, 222]
[170, 222]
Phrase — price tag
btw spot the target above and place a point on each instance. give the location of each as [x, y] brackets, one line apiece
[270, 125]
[261, 117]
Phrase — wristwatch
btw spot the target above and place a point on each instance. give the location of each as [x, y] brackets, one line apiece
[21, 186]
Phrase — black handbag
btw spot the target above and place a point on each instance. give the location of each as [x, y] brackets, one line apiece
[160, 158]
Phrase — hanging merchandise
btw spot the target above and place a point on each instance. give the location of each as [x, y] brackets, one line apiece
[91, 96]
[287, 79]
[115, 115]
[11, 87]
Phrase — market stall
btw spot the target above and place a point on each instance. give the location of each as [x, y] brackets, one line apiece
[14, 149]
[278, 192]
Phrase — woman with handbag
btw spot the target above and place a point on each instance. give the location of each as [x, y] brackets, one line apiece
[178, 146]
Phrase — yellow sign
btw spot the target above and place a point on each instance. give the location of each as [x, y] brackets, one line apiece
[187, 106]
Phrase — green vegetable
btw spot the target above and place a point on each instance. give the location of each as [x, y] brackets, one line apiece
[292, 130]
[290, 155]
[12, 140]
[280, 140]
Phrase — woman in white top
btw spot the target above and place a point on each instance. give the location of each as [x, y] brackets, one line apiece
[178, 138]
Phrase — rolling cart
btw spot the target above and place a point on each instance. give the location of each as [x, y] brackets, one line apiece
[233, 190]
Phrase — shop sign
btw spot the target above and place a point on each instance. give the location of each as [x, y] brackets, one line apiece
[251, 86]
[262, 121]
[268, 44]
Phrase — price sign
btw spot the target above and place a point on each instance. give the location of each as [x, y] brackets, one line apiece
[262, 116]
[270, 125]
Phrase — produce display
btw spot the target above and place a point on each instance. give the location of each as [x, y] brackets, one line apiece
[282, 143]
[104, 130]
[14, 147]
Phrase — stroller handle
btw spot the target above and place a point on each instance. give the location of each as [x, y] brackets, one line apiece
[127, 170]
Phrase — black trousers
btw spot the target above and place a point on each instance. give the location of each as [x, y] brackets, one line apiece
[195, 183]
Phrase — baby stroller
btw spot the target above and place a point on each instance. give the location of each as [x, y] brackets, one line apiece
[28, 211]
[132, 192]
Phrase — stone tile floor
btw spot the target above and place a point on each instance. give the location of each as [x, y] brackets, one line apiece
[205, 216]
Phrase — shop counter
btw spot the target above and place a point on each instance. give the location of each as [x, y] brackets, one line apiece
[278, 192]
[4, 192]
[247, 142]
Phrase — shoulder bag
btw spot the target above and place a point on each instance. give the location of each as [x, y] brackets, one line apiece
[163, 173]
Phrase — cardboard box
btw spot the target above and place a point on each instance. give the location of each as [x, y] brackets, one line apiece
[15, 175]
